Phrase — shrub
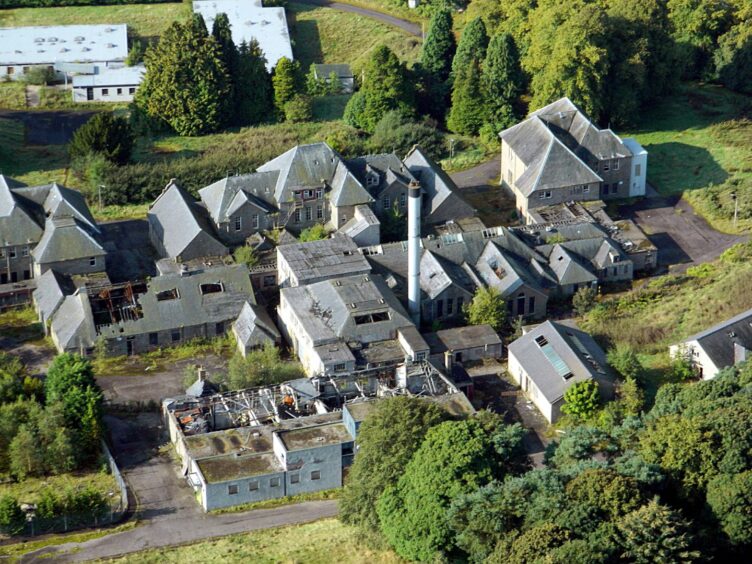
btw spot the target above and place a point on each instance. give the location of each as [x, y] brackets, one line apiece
[581, 399]
[487, 307]
[12, 517]
[584, 300]
[314, 233]
[395, 132]
[299, 109]
[39, 76]
[246, 255]
[104, 135]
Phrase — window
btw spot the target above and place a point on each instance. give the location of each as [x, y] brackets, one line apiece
[531, 304]
[274, 483]
[166, 295]
[638, 170]
[344, 218]
[386, 202]
[296, 216]
[238, 223]
[154, 339]
[219, 328]
[105, 91]
[253, 486]
[319, 212]
[26, 274]
[295, 478]
[585, 189]
[270, 280]
[131, 91]
[255, 220]
[93, 261]
[2, 253]
[175, 335]
[460, 300]
[606, 166]
[340, 367]
[616, 164]
[25, 70]
[545, 194]
[319, 193]
[403, 200]
[211, 288]
[450, 306]
[440, 308]
[308, 213]
[119, 91]
[316, 475]
[420, 356]
[614, 188]
[307, 194]
[371, 317]
[232, 489]
[10, 70]
[25, 252]
[12, 252]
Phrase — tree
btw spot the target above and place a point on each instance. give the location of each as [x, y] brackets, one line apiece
[104, 135]
[472, 45]
[531, 545]
[697, 25]
[487, 307]
[135, 54]
[299, 109]
[502, 80]
[611, 494]
[246, 255]
[436, 62]
[581, 399]
[285, 82]
[315, 232]
[228, 53]
[385, 87]
[733, 58]
[387, 439]
[584, 300]
[624, 360]
[655, 534]
[260, 367]
[730, 500]
[186, 82]
[468, 112]
[682, 369]
[631, 397]
[254, 101]
[12, 375]
[395, 132]
[455, 458]
[12, 517]
[355, 109]
[26, 456]
[67, 371]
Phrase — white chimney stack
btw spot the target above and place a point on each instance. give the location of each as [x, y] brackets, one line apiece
[413, 250]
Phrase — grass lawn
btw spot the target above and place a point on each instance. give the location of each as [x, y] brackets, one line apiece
[329, 108]
[325, 35]
[117, 213]
[144, 20]
[22, 324]
[281, 501]
[28, 491]
[320, 542]
[32, 164]
[699, 138]
[18, 549]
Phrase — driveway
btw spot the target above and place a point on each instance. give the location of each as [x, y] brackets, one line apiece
[484, 174]
[683, 238]
[404, 25]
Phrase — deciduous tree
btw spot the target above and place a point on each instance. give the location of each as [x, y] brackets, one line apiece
[581, 399]
[487, 307]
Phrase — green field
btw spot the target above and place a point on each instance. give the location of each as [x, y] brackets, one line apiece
[144, 20]
[325, 35]
[321, 542]
[28, 490]
[698, 138]
[32, 164]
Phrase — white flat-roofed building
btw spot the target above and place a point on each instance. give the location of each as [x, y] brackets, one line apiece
[250, 20]
[108, 85]
[25, 48]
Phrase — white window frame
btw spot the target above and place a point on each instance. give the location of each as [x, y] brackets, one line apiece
[255, 220]
[238, 223]
[386, 202]
[615, 164]
[92, 261]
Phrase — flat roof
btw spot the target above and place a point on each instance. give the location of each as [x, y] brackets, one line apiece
[327, 258]
[249, 20]
[236, 467]
[125, 76]
[255, 440]
[318, 436]
[359, 410]
[460, 338]
[63, 44]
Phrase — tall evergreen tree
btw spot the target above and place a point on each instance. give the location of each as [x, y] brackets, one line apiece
[285, 81]
[254, 94]
[385, 87]
[436, 62]
[186, 82]
[469, 110]
[222, 34]
[472, 45]
[502, 80]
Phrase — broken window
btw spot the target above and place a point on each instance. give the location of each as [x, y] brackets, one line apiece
[166, 295]
[316, 475]
[211, 288]
[340, 367]
[232, 489]
[294, 478]
[372, 317]
[253, 485]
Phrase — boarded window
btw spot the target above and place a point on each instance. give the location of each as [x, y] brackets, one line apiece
[232, 489]
[294, 478]
[316, 475]
[253, 485]
[211, 288]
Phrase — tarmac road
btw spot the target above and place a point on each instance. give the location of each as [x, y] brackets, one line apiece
[404, 25]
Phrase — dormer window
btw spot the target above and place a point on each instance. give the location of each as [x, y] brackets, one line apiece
[372, 179]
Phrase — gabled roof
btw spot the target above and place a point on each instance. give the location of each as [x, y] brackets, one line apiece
[555, 357]
[18, 225]
[73, 323]
[303, 165]
[179, 221]
[52, 288]
[254, 327]
[719, 341]
[440, 193]
[256, 188]
[346, 189]
[388, 166]
[501, 270]
[568, 268]
[437, 274]
[66, 239]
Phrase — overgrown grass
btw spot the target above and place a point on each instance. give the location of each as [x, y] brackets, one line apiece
[18, 549]
[31, 164]
[21, 324]
[670, 308]
[320, 542]
[326, 35]
[700, 144]
[117, 213]
[12, 95]
[469, 152]
[29, 490]
[280, 502]
[144, 20]
[329, 108]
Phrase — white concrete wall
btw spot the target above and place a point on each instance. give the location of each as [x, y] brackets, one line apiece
[104, 94]
[698, 356]
[519, 375]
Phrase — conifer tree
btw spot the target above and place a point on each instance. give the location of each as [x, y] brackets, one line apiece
[472, 45]
[502, 80]
[285, 81]
[468, 111]
[222, 34]
[254, 95]
[436, 63]
[385, 87]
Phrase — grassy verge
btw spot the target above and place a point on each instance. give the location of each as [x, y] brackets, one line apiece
[280, 502]
[13, 95]
[28, 490]
[143, 20]
[21, 324]
[468, 152]
[16, 550]
[398, 10]
[326, 35]
[117, 213]
[329, 108]
[320, 542]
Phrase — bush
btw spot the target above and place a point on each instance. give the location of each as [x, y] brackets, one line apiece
[581, 399]
[584, 300]
[395, 132]
[314, 233]
[299, 109]
[260, 367]
[39, 76]
[104, 135]
[355, 110]
[246, 255]
[12, 517]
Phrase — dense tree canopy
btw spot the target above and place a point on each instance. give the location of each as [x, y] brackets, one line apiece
[472, 45]
[105, 135]
[487, 307]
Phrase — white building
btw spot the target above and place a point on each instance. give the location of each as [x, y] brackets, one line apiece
[724, 344]
[250, 20]
[53, 47]
[110, 85]
[639, 174]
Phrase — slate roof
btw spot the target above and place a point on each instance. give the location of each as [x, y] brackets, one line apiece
[569, 268]
[347, 189]
[18, 225]
[502, 270]
[303, 165]
[180, 222]
[461, 338]
[569, 356]
[73, 323]
[227, 195]
[66, 239]
[719, 341]
[254, 327]
[52, 288]
[388, 166]
[362, 219]
[437, 274]
[326, 258]
[342, 70]
[442, 201]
